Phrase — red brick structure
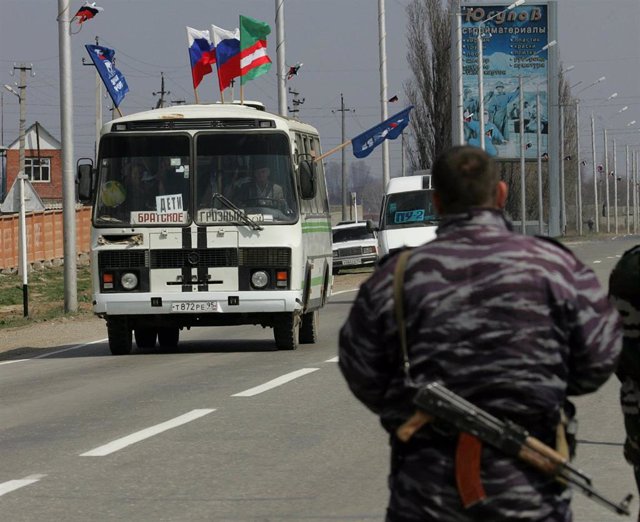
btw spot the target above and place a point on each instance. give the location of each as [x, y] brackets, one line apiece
[44, 173]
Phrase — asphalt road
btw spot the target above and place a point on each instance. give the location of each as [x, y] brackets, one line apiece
[227, 429]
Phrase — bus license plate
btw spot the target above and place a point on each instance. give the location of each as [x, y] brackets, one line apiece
[191, 306]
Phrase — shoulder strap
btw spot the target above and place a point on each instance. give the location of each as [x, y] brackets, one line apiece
[398, 298]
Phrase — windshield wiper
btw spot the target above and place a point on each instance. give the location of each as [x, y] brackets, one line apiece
[240, 213]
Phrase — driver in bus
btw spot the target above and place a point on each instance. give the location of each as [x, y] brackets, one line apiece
[261, 191]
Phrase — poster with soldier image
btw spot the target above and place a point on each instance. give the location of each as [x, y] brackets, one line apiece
[513, 46]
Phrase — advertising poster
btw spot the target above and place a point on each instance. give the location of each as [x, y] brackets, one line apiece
[512, 47]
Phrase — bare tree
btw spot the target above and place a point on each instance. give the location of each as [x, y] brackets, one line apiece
[429, 90]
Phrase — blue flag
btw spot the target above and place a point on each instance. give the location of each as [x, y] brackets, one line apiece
[364, 143]
[112, 78]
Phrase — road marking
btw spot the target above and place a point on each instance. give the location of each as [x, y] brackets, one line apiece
[597, 261]
[49, 354]
[12, 485]
[138, 436]
[333, 359]
[275, 382]
[14, 361]
[345, 291]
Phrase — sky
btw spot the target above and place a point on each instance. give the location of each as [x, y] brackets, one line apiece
[336, 40]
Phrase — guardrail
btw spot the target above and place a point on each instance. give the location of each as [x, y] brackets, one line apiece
[44, 236]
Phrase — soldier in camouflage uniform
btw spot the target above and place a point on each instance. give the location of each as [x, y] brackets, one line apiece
[624, 288]
[512, 323]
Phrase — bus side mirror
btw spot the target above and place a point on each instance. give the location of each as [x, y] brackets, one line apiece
[308, 182]
[85, 182]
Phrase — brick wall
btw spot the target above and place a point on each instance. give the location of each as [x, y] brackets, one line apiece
[46, 191]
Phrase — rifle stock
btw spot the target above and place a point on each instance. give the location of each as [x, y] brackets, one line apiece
[444, 405]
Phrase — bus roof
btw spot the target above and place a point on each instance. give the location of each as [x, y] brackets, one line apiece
[213, 110]
[408, 183]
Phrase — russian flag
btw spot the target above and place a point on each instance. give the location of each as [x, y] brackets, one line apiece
[201, 53]
[227, 46]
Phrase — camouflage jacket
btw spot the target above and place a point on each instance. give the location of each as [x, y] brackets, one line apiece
[512, 323]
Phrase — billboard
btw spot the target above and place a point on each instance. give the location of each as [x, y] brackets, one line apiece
[512, 46]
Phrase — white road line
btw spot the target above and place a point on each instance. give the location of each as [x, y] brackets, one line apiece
[345, 291]
[12, 485]
[49, 354]
[333, 359]
[597, 261]
[275, 382]
[14, 361]
[119, 444]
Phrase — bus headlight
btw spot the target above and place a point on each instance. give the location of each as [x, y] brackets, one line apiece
[129, 280]
[259, 279]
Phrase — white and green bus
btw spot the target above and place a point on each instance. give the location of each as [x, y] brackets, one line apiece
[184, 234]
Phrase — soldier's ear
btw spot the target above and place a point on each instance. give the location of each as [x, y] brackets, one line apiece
[501, 194]
[437, 203]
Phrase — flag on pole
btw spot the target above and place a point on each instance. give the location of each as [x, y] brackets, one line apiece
[114, 82]
[293, 70]
[201, 54]
[253, 48]
[87, 12]
[227, 50]
[391, 128]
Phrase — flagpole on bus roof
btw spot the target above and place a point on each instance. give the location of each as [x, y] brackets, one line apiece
[280, 58]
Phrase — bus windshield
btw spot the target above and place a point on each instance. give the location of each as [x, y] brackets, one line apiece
[409, 209]
[143, 180]
[242, 173]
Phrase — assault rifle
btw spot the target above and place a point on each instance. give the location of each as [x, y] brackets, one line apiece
[443, 404]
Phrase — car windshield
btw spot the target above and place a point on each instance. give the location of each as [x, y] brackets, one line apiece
[143, 180]
[242, 174]
[409, 209]
[341, 235]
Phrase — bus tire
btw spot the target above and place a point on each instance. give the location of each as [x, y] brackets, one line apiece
[309, 327]
[168, 337]
[286, 332]
[119, 334]
[145, 337]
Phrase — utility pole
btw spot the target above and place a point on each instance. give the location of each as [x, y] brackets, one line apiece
[161, 93]
[296, 103]
[3, 185]
[382, 34]
[98, 103]
[595, 175]
[344, 162]
[68, 171]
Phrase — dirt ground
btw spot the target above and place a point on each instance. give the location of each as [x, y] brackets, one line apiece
[63, 332]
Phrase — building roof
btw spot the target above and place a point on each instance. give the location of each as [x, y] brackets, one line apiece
[33, 135]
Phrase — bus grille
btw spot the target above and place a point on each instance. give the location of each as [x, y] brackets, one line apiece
[265, 257]
[204, 257]
[110, 259]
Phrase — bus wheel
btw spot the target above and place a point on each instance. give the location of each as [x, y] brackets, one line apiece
[168, 337]
[119, 336]
[286, 332]
[145, 337]
[309, 327]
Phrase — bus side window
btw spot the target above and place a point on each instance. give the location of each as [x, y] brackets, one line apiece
[322, 202]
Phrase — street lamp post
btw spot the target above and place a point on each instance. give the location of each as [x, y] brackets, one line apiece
[22, 217]
[579, 219]
[480, 51]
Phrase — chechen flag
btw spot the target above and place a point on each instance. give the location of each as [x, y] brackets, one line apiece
[201, 53]
[87, 12]
[227, 45]
[253, 48]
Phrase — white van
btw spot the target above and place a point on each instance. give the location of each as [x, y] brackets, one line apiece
[408, 217]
